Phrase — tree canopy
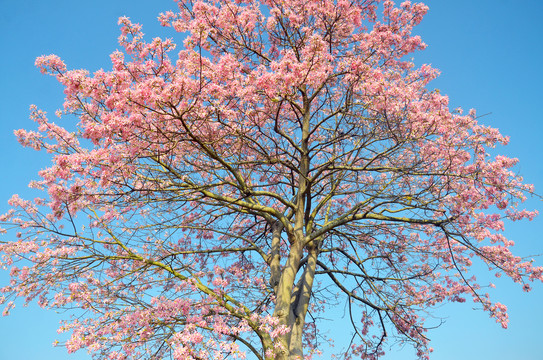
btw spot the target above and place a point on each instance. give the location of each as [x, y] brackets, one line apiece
[216, 200]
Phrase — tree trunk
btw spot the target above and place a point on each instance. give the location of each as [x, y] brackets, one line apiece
[293, 302]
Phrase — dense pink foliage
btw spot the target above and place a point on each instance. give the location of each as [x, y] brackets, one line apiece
[286, 148]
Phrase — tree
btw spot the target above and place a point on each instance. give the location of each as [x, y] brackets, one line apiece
[288, 159]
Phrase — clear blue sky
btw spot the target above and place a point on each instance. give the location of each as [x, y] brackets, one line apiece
[489, 52]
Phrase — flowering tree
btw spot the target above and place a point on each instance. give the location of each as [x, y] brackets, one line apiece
[214, 202]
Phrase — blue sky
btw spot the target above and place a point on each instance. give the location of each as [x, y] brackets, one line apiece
[489, 53]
